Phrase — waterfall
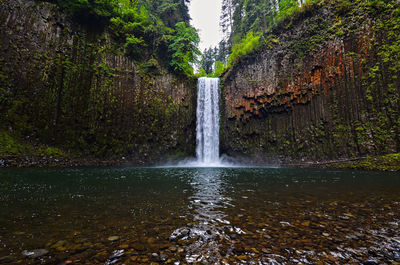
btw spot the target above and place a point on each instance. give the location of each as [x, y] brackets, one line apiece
[207, 125]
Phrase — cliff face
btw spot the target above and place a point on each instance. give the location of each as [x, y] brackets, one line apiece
[72, 86]
[325, 87]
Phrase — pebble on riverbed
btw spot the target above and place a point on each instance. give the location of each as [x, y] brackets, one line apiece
[113, 238]
[6, 259]
[36, 253]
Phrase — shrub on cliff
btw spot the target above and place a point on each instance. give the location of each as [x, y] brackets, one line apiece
[183, 48]
[245, 46]
[145, 29]
[89, 11]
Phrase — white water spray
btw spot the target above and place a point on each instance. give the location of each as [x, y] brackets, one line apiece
[207, 126]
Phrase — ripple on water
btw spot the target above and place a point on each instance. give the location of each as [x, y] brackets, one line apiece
[209, 215]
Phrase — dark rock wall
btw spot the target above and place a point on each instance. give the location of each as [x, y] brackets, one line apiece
[313, 92]
[72, 86]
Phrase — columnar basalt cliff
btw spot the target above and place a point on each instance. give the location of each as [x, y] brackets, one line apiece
[69, 86]
[324, 86]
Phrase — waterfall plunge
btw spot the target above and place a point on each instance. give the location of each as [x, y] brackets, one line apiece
[207, 126]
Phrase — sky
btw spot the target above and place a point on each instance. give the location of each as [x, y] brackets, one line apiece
[205, 17]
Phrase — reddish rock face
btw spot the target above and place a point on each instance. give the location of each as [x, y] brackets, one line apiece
[313, 104]
[275, 91]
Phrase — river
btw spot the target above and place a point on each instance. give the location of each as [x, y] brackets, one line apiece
[199, 215]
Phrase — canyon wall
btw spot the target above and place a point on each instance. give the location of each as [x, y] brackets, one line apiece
[325, 85]
[72, 86]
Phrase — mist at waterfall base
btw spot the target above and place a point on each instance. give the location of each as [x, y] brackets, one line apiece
[207, 128]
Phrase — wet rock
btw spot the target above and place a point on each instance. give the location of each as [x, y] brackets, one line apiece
[124, 246]
[101, 256]
[242, 257]
[83, 255]
[163, 257]
[115, 257]
[138, 247]
[163, 246]
[36, 253]
[113, 238]
[151, 240]
[155, 257]
[179, 234]
[62, 256]
[6, 259]
[370, 262]
[264, 250]
[172, 249]
[60, 245]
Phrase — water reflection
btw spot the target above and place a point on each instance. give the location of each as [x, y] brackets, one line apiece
[199, 215]
[207, 233]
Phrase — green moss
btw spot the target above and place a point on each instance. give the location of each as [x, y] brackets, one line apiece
[50, 152]
[9, 147]
[12, 147]
[390, 162]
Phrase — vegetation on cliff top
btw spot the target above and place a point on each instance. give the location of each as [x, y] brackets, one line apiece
[256, 22]
[150, 31]
[245, 24]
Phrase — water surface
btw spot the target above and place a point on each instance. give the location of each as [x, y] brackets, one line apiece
[199, 215]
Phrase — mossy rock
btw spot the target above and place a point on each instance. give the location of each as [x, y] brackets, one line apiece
[390, 162]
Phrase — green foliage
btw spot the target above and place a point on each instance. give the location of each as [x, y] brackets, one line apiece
[201, 73]
[369, 32]
[247, 45]
[287, 8]
[11, 147]
[207, 60]
[134, 46]
[50, 152]
[383, 76]
[183, 48]
[258, 17]
[219, 68]
[87, 11]
[145, 29]
[390, 162]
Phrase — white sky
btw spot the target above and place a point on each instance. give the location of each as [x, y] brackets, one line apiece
[205, 17]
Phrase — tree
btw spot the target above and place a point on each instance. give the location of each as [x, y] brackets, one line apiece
[287, 7]
[223, 51]
[226, 19]
[254, 15]
[183, 48]
[208, 59]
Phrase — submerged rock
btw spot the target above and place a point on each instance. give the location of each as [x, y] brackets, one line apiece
[6, 259]
[180, 233]
[61, 245]
[113, 238]
[115, 257]
[370, 262]
[36, 253]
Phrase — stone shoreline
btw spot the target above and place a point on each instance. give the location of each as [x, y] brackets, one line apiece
[389, 162]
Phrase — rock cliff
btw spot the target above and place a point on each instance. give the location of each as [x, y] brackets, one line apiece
[325, 85]
[72, 86]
